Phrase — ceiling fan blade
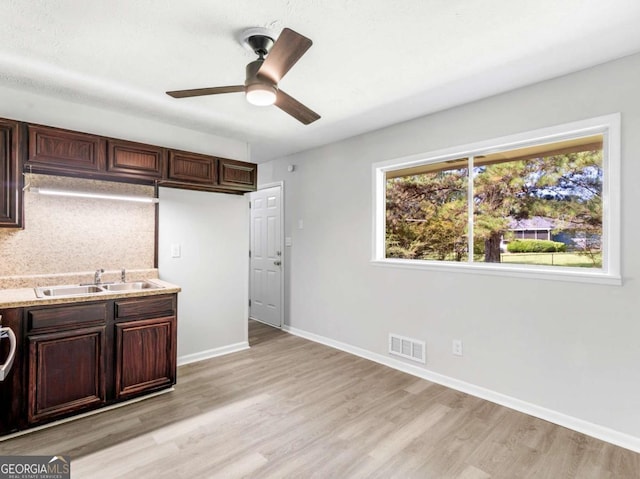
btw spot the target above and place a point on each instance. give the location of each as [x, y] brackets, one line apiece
[206, 91]
[294, 108]
[287, 50]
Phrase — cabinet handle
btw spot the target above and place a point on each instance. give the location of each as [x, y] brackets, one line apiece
[6, 367]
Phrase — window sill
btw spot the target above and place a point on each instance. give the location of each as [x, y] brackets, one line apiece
[510, 271]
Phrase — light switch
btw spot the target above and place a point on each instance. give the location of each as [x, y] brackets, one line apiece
[300, 224]
[175, 250]
[287, 241]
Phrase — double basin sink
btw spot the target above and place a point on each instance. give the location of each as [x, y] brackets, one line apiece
[89, 289]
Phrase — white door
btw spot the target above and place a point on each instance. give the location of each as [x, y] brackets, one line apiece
[265, 282]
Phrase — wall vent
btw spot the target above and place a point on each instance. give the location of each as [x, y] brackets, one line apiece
[407, 348]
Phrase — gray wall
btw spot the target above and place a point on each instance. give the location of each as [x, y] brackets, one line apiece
[572, 349]
[212, 230]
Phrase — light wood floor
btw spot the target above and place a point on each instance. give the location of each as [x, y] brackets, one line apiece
[289, 407]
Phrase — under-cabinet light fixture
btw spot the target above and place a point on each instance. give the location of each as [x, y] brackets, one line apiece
[103, 196]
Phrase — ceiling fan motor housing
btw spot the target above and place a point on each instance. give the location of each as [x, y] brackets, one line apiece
[260, 90]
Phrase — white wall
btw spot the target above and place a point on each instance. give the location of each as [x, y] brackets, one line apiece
[571, 348]
[212, 230]
[26, 106]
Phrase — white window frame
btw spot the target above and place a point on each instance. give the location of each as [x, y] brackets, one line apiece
[610, 273]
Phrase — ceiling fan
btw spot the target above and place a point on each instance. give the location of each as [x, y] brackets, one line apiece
[263, 74]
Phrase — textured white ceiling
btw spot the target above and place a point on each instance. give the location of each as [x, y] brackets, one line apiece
[373, 62]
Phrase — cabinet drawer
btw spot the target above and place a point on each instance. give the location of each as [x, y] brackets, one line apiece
[65, 317]
[146, 307]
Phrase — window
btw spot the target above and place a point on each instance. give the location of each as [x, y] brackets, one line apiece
[544, 203]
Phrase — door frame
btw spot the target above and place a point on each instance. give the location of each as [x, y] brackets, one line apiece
[283, 256]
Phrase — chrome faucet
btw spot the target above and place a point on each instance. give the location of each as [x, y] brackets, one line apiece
[97, 279]
[123, 276]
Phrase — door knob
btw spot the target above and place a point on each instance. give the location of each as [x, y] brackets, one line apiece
[277, 263]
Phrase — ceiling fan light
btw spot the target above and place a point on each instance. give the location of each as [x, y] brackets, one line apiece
[261, 95]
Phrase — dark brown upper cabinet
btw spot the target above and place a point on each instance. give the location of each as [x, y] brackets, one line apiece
[192, 168]
[237, 175]
[56, 151]
[69, 153]
[135, 160]
[210, 173]
[10, 174]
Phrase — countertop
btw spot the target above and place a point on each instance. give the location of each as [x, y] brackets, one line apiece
[17, 298]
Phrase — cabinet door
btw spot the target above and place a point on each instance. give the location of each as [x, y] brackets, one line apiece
[237, 175]
[52, 150]
[192, 168]
[10, 175]
[145, 355]
[66, 372]
[135, 160]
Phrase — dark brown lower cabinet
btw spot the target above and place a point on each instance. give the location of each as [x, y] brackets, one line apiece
[145, 355]
[66, 372]
[76, 357]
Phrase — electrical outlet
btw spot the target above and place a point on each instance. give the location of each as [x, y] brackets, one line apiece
[456, 347]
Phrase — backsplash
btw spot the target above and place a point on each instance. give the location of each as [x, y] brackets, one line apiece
[66, 239]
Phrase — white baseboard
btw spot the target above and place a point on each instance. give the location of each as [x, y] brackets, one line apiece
[212, 353]
[594, 430]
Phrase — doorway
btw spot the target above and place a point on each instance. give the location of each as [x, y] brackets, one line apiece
[266, 258]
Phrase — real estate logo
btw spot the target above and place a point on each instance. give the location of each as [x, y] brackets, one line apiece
[35, 467]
